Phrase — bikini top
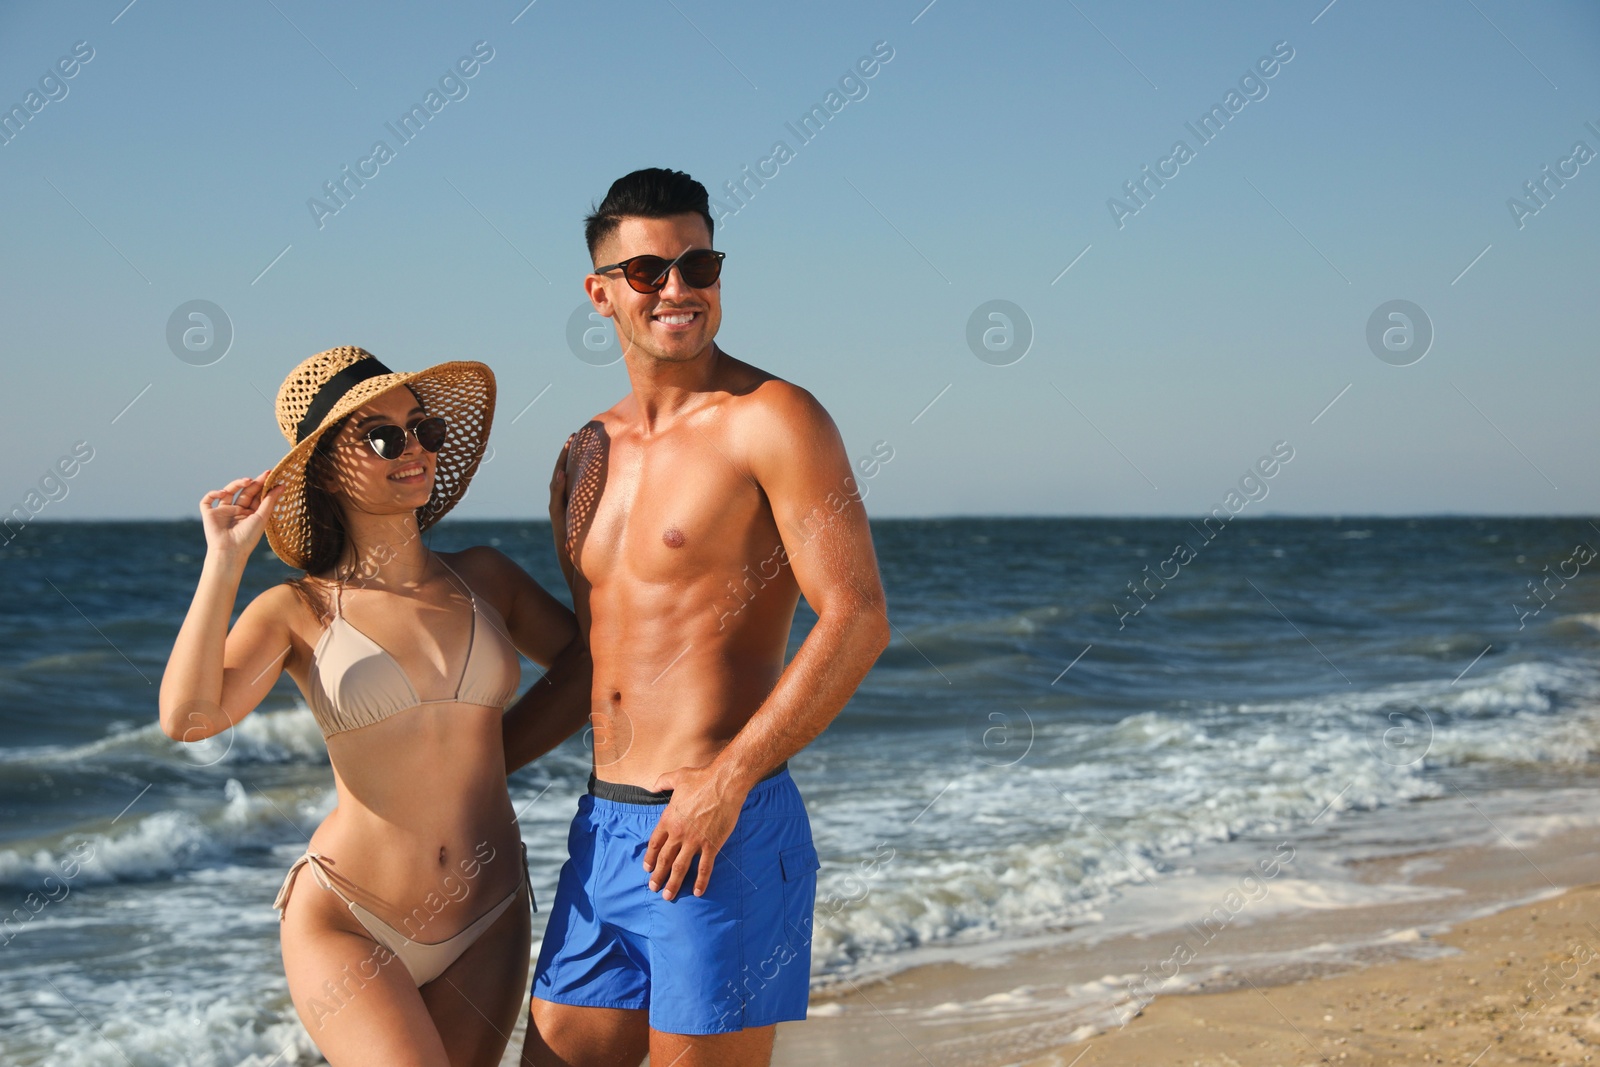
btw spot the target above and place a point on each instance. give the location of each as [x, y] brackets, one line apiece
[355, 682]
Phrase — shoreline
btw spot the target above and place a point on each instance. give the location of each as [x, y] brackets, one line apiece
[1523, 982]
[1470, 925]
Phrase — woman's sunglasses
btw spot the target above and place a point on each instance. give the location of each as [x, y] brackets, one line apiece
[389, 441]
[648, 274]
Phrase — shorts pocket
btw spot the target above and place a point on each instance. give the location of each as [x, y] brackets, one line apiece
[800, 865]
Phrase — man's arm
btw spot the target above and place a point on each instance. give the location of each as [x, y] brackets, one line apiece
[799, 460]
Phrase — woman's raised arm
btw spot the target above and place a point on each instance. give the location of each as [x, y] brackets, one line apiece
[215, 677]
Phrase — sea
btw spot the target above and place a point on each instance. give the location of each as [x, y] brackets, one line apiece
[1069, 710]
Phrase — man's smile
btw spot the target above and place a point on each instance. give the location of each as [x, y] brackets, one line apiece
[676, 318]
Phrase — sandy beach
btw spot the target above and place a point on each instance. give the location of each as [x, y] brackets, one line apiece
[1467, 976]
[1523, 987]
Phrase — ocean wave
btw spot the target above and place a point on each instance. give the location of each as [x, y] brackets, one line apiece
[197, 1029]
[289, 736]
[1115, 824]
[1107, 806]
[1584, 623]
[1530, 686]
[161, 844]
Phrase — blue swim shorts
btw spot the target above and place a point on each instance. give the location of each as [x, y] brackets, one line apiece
[737, 957]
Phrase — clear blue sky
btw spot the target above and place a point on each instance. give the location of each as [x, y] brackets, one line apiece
[1220, 318]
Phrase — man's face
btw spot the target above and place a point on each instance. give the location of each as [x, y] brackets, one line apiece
[674, 325]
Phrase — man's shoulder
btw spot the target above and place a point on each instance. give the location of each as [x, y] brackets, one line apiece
[766, 397]
[609, 416]
[776, 425]
[600, 426]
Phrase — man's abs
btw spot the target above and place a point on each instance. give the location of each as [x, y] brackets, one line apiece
[673, 681]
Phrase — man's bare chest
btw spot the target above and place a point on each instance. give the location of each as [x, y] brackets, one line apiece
[669, 510]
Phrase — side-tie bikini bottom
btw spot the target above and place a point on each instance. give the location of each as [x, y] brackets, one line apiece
[425, 961]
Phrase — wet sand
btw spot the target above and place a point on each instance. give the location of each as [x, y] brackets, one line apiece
[1523, 988]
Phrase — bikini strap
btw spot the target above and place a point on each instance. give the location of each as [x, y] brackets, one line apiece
[318, 871]
[452, 570]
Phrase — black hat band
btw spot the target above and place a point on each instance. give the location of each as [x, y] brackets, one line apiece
[334, 389]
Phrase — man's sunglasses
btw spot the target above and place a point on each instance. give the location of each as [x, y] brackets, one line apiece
[389, 441]
[700, 269]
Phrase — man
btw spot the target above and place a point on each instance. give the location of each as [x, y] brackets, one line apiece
[697, 511]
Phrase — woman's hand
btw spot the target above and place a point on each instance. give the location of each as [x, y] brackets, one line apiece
[559, 506]
[235, 516]
[216, 673]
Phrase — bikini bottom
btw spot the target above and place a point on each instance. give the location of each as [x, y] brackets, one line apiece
[425, 961]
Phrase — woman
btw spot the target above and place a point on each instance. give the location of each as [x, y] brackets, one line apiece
[405, 926]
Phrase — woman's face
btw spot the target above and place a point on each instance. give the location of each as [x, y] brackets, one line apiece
[366, 482]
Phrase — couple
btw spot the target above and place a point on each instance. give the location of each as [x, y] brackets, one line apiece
[688, 520]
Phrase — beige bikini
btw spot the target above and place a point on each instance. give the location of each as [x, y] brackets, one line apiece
[354, 683]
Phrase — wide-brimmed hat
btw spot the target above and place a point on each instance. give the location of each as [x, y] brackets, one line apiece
[330, 385]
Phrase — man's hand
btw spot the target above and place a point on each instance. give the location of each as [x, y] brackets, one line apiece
[698, 822]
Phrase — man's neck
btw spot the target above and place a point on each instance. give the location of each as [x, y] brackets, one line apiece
[663, 390]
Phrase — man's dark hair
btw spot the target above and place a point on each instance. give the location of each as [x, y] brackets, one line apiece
[651, 193]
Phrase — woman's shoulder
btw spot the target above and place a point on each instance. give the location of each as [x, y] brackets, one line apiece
[302, 604]
[491, 573]
[292, 612]
[482, 560]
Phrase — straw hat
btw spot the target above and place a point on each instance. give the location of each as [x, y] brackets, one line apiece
[330, 385]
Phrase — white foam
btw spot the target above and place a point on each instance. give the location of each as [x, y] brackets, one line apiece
[261, 737]
[278, 737]
[194, 1028]
[150, 846]
[1519, 831]
[1589, 619]
[1097, 811]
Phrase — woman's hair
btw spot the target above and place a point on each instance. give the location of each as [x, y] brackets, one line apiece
[325, 519]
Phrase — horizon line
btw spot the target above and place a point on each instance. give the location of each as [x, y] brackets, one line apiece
[997, 516]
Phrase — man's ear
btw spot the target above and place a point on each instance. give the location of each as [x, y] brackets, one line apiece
[595, 287]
